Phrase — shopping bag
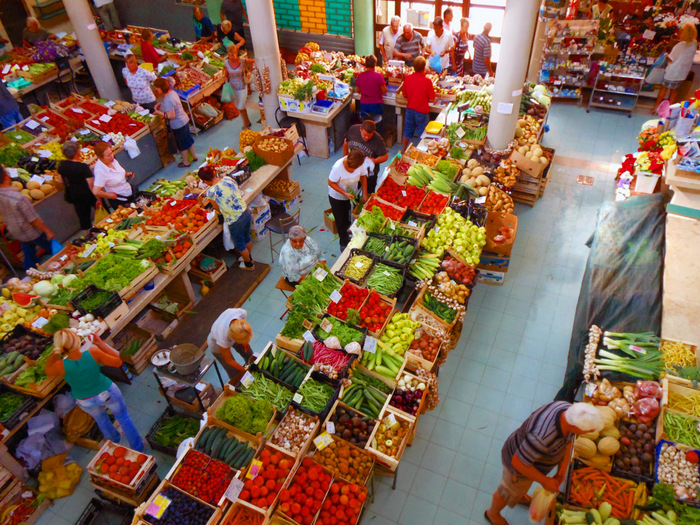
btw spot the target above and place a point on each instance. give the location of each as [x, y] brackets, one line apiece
[228, 242]
[435, 63]
[172, 141]
[655, 75]
[227, 93]
[101, 214]
[132, 148]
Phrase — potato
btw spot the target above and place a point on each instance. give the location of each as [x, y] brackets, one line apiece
[483, 180]
[479, 170]
[483, 190]
[522, 150]
[544, 161]
[538, 152]
[528, 155]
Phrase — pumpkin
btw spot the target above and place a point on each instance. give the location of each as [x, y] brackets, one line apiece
[609, 416]
[612, 432]
[584, 448]
[608, 446]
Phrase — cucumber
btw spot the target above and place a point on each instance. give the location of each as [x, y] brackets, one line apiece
[19, 360]
[222, 449]
[231, 452]
[218, 441]
[232, 447]
[212, 439]
[244, 459]
[238, 455]
[203, 438]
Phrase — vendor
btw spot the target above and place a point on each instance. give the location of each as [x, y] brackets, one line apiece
[235, 74]
[225, 195]
[231, 330]
[171, 107]
[139, 81]
[227, 35]
[542, 443]
[203, 28]
[344, 180]
[94, 392]
[111, 180]
[679, 63]
[371, 86]
[78, 179]
[34, 33]
[601, 9]
[148, 50]
[9, 108]
[298, 256]
[365, 138]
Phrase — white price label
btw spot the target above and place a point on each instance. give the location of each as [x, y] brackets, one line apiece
[37, 178]
[323, 440]
[210, 215]
[247, 379]
[326, 325]
[480, 200]
[47, 178]
[298, 398]
[143, 112]
[386, 273]
[437, 229]
[44, 153]
[330, 427]
[12, 172]
[370, 345]
[505, 108]
[77, 110]
[105, 118]
[40, 322]
[35, 159]
[6, 69]
[18, 136]
[32, 124]
[44, 119]
[4, 307]
[89, 250]
[412, 223]
[359, 264]
[308, 336]
[84, 132]
[460, 132]
[234, 489]
[335, 296]
[109, 103]
[320, 274]
[403, 193]
[390, 421]
[517, 92]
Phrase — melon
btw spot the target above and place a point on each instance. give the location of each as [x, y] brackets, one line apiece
[17, 185]
[598, 461]
[25, 192]
[590, 435]
[609, 416]
[584, 448]
[23, 299]
[46, 188]
[33, 185]
[610, 432]
[36, 194]
[608, 446]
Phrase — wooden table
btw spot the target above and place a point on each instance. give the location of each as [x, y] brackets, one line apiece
[19, 93]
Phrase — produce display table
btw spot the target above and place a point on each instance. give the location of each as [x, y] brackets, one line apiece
[146, 163]
[200, 95]
[321, 128]
[20, 93]
[59, 214]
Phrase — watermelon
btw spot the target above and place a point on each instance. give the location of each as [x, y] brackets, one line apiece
[23, 299]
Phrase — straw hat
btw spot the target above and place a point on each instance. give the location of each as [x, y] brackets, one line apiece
[240, 331]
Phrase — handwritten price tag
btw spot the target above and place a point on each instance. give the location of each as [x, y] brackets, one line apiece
[330, 427]
[326, 325]
[460, 132]
[320, 274]
[40, 322]
[254, 469]
[308, 336]
[105, 118]
[13, 173]
[32, 124]
[370, 345]
[307, 324]
[411, 223]
[298, 398]
[323, 441]
[390, 421]
[158, 507]
[335, 296]
[234, 489]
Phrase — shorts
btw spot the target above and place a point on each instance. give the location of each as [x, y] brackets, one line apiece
[183, 137]
[513, 487]
[415, 123]
[671, 84]
[240, 97]
[240, 231]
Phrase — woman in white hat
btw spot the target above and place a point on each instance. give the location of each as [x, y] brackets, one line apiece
[231, 330]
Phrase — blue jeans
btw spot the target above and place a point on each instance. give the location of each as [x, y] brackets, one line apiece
[29, 250]
[415, 123]
[11, 118]
[112, 400]
[240, 231]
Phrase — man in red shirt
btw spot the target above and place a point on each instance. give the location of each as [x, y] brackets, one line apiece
[418, 89]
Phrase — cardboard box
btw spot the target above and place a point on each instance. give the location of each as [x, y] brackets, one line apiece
[329, 221]
[491, 277]
[494, 222]
[493, 262]
[530, 167]
[288, 205]
[259, 236]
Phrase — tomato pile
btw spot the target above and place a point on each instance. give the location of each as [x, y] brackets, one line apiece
[61, 126]
[72, 113]
[393, 213]
[343, 505]
[374, 313]
[117, 467]
[203, 477]
[169, 213]
[434, 203]
[303, 499]
[406, 197]
[353, 297]
[93, 108]
[119, 123]
[263, 489]
[181, 247]
[192, 221]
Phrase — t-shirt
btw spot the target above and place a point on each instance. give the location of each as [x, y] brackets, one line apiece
[682, 56]
[482, 51]
[388, 41]
[372, 148]
[75, 176]
[7, 101]
[219, 330]
[231, 35]
[149, 53]
[171, 101]
[411, 47]
[228, 198]
[113, 180]
[419, 91]
[203, 28]
[140, 84]
[233, 11]
[346, 180]
[439, 43]
[370, 83]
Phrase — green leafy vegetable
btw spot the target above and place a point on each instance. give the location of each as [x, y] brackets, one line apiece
[372, 221]
[254, 160]
[315, 294]
[246, 414]
[343, 332]
[294, 327]
[175, 429]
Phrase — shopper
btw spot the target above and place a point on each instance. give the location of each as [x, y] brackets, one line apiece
[482, 53]
[234, 12]
[542, 443]
[227, 34]
[111, 180]
[419, 91]
[78, 179]
[179, 122]
[235, 73]
[679, 62]
[371, 86]
[148, 51]
[440, 42]
[231, 330]
[34, 33]
[601, 9]
[93, 391]
[461, 47]
[224, 193]
[387, 40]
[447, 17]
[299, 255]
[346, 177]
[203, 28]
[24, 225]
[409, 45]
[363, 137]
[9, 108]
[108, 14]
[138, 80]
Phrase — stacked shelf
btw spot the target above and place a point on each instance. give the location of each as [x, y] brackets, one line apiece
[618, 91]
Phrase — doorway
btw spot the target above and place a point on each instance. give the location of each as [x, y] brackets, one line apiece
[13, 16]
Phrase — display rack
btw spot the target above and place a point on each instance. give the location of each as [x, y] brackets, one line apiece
[566, 58]
[618, 91]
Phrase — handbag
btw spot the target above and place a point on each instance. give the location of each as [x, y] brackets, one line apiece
[655, 75]
[171, 139]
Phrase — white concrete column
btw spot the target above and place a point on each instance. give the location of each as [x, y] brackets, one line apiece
[263, 31]
[533, 71]
[93, 48]
[518, 28]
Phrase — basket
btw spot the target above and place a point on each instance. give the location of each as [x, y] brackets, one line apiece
[341, 273]
[186, 358]
[103, 310]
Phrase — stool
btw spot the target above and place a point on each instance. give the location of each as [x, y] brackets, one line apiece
[285, 288]
[374, 117]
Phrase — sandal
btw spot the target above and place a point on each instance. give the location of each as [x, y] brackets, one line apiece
[183, 165]
[486, 517]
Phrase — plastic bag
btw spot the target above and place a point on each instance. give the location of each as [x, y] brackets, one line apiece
[132, 148]
[648, 389]
[435, 63]
[63, 404]
[539, 506]
[101, 214]
[228, 242]
[646, 410]
[655, 75]
[227, 93]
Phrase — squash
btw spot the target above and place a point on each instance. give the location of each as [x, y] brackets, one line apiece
[584, 448]
[612, 432]
[593, 436]
[33, 185]
[46, 188]
[608, 446]
[25, 192]
[17, 185]
[609, 416]
[36, 194]
[598, 461]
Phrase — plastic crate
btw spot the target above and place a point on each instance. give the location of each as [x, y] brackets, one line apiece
[101, 512]
[392, 264]
[323, 414]
[104, 309]
[184, 95]
[385, 238]
[18, 331]
[341, 273]
[150, 437]
[411, 218]
[20, 413]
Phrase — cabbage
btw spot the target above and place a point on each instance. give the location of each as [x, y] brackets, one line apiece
[43, 288]
[57, 279]
[539, 88]
[68, 279]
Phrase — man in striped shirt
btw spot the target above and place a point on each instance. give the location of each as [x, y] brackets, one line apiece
[409, 45]
[542, 443]
[482, 53]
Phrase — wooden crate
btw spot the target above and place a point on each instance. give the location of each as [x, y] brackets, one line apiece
[388, 381]
[389, 462]
[156, 324]
[419, 302]
[183, 301]
[342, 393]
[661, 432]
[233, 473]
[211, 276]
[414, 361]
[386, 300]
[206, 394]
[524, 198]
[293, 192]
[141, 359]
[421, 406]
[360, 451]
[305, 447]
[135, 286]
[41, 390]
[138, 481]
[229, 391]
[13, 494]
[340, 404]
[292, 345]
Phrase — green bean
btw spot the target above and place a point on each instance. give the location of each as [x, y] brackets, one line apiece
[682, 429]
[315, 395]
[266, 389]
[357, 267]
[385, 279]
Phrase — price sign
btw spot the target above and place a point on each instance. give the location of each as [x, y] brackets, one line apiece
[326, 325]
[390, 421]
[370, 345]
[158, 507]
[84, 132]
[32, 124]
[358, 264]
[247, 379]
[412, 223]
[320, 274]
[109, 103]
[307, 324]
[308, 336]
[323, 441]
[335, 296]
[77, 110]
[254, 469]
[460, 132]
[298, 398]
[13, 173]
[105, 118]
[330, 427]
[234, 489]
[89, 250]
[386, 273]
[37, 178]
[44, 153]
[40, 322]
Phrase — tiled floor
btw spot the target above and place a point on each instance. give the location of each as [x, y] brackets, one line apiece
[512, 353]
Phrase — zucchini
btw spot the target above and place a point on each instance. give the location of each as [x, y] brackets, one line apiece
[203, 438]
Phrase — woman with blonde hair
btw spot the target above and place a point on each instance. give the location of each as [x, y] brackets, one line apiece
[680, 60]
[93, 391]
[231, 330]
